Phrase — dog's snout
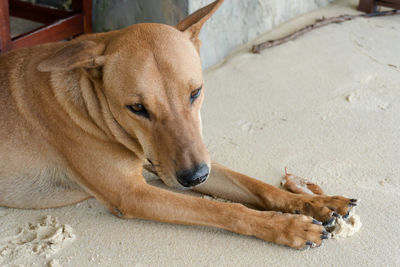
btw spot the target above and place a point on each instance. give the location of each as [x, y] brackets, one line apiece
[194, 176]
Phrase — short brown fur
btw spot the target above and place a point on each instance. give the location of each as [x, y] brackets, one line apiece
[66, 135]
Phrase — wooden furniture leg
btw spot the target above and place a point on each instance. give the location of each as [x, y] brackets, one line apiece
[87, 13]
[388, 3]
[5, 37]
[370, 6]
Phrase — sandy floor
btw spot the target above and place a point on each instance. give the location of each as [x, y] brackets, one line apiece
[326, 106]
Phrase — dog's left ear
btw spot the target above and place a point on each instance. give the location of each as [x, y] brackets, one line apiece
[84, 54]
[192, 24]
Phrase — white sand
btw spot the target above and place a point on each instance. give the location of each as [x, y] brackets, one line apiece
[35, 241]
[346, 228]
[326, 105]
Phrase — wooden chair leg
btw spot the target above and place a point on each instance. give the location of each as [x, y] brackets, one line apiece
[87, 16]
[367, 6]
[76, 5]
[5, 37]
[395, 4]
[85, 6]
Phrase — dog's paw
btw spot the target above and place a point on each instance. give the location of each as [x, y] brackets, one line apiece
[296, 231]
[323, 208]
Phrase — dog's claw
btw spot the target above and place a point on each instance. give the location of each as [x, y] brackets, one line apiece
[326, 235]
[329, 222]
[334, 214]
[353, 200]
[314, 221]
[118, 212]
[345, 217]
[352, 204]
[323, 237]
[311, 244]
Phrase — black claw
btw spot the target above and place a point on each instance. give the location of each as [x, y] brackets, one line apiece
[311, 244]
[326, 235]
[353, 200]
[297, 211]
[329, 222]
[314, 221]
[351, 204]
[334, 214]
[345, 217]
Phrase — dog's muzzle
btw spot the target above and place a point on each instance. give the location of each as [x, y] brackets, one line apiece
[193, 177]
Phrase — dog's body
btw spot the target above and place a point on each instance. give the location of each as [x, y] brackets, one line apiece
[80, 119]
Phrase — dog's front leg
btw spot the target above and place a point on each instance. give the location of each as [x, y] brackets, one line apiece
[237, 187]
[149, 202]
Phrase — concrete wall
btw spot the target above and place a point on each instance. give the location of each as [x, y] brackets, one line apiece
[235, 23]
[115, 14]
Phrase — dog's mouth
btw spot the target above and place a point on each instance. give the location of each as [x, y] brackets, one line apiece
[150, 167]
[185, 179]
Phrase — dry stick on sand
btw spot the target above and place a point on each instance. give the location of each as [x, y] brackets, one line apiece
[318, 23]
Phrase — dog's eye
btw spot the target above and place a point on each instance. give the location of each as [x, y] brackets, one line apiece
[138, 109]
[195, 94]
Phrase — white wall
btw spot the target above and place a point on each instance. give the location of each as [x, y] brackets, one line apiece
[235, 23]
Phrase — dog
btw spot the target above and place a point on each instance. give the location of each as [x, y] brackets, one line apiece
[83, 118]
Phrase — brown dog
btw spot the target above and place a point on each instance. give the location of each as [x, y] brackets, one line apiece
[80, 119]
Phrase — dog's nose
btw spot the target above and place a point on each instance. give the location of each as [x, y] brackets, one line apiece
[194, 176]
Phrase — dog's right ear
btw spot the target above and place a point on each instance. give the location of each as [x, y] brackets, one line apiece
[85, 54]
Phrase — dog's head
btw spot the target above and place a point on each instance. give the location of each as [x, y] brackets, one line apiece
[151, 78]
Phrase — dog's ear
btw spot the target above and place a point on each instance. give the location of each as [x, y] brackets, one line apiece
[192, 24]
[85, 54]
